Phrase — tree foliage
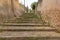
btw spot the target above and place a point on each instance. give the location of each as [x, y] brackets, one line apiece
[33, 5]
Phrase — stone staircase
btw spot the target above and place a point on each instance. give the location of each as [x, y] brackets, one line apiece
[12, 30]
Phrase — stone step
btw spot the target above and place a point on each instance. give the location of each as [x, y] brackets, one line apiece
[12, 21]
[32, 38]
[41, 34]
[23, 24]
[25, 28]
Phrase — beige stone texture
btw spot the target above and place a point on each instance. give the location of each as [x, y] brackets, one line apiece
[50, 11]
[10, 9]
[18, 8]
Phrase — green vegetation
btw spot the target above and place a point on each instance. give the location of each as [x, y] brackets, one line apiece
[1, 30]
[2, 39]
[30, 38]
[27, 9]
[33, 5]
[30, 17]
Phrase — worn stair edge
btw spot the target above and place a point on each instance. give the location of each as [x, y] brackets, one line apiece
[49, 34]
[23, 24]
[32, 38]
[27, 29]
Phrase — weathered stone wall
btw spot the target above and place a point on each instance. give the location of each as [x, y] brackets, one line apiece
[7, 7]
[39, 5]
[51, 12]
[18, 8]
[5, 10]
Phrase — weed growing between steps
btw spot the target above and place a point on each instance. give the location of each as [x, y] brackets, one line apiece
[27, 18]
[2, 39]
[20, 38]
[30, 18]
[1, 30]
